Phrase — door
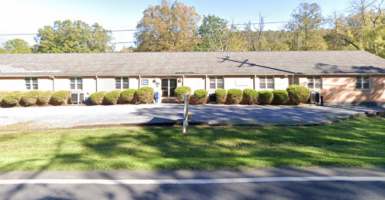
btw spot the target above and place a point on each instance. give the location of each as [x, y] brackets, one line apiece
[168, 87]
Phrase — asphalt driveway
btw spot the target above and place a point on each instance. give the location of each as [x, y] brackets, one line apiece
[71, 116]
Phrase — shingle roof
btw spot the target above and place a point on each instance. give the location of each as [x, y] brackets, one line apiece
[219, 63]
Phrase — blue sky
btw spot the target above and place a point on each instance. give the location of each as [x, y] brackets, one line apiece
[27, 16]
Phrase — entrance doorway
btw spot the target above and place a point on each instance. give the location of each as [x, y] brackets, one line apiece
[168, 87]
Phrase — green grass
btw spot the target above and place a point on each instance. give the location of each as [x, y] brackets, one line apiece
[356, 143]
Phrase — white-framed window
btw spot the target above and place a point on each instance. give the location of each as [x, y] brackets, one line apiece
[121, 83]
[144, 81]
[76, 83]
[314, 82]
[216, 82]
[31, 83]
[266, 82]
[363, 83]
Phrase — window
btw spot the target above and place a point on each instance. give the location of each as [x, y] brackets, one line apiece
[216, 83]
[31, 83]
[121, 83]
[266, 82]
[362, 82]
[144, 81]
[76, 83]
[314, 82]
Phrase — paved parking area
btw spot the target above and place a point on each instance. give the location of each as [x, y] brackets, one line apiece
[70, 116]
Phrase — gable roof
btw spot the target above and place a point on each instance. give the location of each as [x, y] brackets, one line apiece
[211, 63]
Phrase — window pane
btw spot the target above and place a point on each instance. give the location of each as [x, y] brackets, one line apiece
[310, 85]
[212, 79]
[262, 85]
[366, 86]
[358, 85]
[310, 79]
[262, 79]
[220, 86]
[72, 80]
[270, 85]
[72, 86]
[317, 85]
[117, 83]
[27, 80]
[358, 79]
[317, 79]
[212, 86]
[366, 79]
[28, 86]
[270, 79]
[125, 85]
[80, 87]
[125, 79]
[219, 79]
[34, 80]
[35, 86]
[79, 80]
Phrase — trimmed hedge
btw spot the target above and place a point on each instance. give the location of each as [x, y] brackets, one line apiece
[112, 98]
[280, 97]
[221, 96]
[97, 98]
[298, 94]
[265, 97]
[61, 97]
[2, 94]
[128, 95]
[30, 98]
[44, 97]
[235, 96]
[12, 99]
[250, 96]
[200, 97]
[146, 94]
[181, 91]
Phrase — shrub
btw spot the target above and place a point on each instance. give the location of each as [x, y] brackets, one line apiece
[44, 97]
[112, 98]
[280, 97]
[30, 98]
[12, 99]
[221, 96]
[200, 97]
[97, 98]
[60, 97]
[2, 94]
[250, 96]
[146, 94]
[181, 91]
[298, 94]
[128, 95]
[235, 96]
[265, 97]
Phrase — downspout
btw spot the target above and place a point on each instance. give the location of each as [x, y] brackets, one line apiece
[183, 80]
[139, 81]
[254, 85]
[53, 83]
[97, 78]
[292, 80]
[206, 83]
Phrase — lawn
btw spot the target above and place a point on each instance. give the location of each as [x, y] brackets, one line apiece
[356, 143]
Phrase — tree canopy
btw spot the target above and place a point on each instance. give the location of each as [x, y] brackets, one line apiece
[168, 27]
[16, 46]
[73, 37]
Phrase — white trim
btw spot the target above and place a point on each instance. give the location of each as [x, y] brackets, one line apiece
[216, 82]
[76, 83]
[30, 83]
[121, 82]
[259, 83]
[189, 181]
[314, 88]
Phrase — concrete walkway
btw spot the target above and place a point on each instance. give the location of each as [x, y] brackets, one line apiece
[73, 116]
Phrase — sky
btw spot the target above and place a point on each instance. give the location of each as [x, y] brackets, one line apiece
[27, 16]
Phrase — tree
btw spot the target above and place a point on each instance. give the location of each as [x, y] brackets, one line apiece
[17, 46]
[2, 50]
[218, 35]
[305, 21]
[127, 49]
[168, 27]
[73, 37]
[256, 39]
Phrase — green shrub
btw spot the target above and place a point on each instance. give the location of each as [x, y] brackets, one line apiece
[265, 97]
[128, 95]
[250, 96]
[97, 98]
[181, 91]
[235, 96]
[280, 97]
[12, 99]
[2, 94]
[44, 97]
[146, 94]
[200, 97]
[221, 96]
[200, 94]
[60, 97]
[112, 98]
[30, 98]
[298, 94]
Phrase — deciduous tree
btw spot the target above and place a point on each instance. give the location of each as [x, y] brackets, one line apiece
[17, 46]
